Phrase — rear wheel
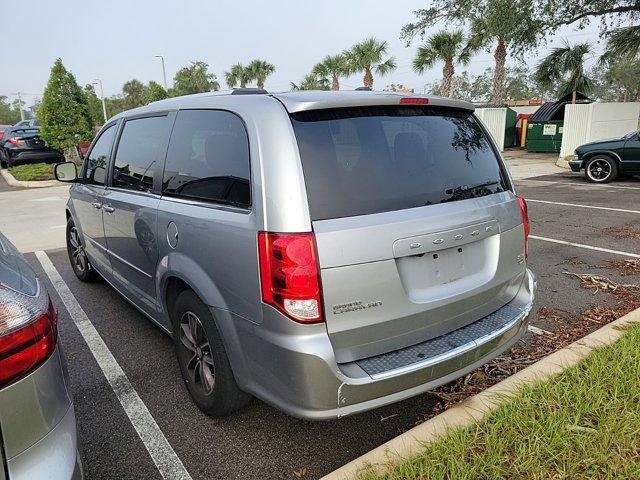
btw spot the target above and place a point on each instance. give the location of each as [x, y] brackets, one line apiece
[77, 255]
[203, 360]
[601, 169]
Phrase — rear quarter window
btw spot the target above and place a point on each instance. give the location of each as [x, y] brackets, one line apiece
[365, 160]
[208, 158]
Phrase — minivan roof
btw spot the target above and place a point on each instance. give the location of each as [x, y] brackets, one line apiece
[295, 101]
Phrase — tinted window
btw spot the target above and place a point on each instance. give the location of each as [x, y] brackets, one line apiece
[138, 153]
[364, 160]
[208, 158]
[96, 161]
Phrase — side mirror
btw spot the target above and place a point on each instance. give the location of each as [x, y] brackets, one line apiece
[66, 172]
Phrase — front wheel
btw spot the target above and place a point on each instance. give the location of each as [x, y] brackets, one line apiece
[601, 169]
[77, 255]
[203, 360]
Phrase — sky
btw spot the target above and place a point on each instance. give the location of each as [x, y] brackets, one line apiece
[117, 40]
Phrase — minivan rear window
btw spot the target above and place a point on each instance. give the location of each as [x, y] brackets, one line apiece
[364, 160]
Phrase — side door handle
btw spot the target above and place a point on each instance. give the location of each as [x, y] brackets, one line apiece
[97, 205]
[108, 208]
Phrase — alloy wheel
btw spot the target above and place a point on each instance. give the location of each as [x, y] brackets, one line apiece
[77, 250]
[200, 367]
[599, 170]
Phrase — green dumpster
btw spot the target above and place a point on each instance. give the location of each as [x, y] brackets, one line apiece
[545, 136]
[510, 139]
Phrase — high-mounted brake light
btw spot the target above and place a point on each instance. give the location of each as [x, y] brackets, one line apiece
[414, 101]
[28, 333]
[290, 275]
[524, 213]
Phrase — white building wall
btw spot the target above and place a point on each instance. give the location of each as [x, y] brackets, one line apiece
[495, 120]
[525, 109]
[585, 123]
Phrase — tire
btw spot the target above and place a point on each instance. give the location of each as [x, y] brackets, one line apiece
[601, 169]
[203, 359]
[80, 264]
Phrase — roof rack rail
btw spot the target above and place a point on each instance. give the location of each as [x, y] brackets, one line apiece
[363, 89]
[249, 91]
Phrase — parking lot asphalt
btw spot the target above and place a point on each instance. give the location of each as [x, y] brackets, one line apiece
[261, 442]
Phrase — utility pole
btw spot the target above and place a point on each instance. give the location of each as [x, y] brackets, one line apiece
[20, 106]
[164, 73]
[104, 106]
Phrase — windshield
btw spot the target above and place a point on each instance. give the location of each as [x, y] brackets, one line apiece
[365, 160]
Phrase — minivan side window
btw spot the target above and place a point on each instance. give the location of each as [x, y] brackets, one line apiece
[208, 158]
[98, 158]
[138, 153]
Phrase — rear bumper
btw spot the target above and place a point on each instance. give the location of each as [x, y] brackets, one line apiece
[301, 377]
[54, 457]
[31, 156]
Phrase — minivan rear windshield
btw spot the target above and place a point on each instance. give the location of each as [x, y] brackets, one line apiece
[364, 160]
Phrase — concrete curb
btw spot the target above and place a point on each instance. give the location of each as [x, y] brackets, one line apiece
[10, 179]
[474, 409]
[562, 163]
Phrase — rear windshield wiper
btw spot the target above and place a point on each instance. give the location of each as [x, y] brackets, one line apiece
[463, 192]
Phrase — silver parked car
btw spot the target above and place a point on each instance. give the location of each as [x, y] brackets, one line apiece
[327, 252]
[37, 420]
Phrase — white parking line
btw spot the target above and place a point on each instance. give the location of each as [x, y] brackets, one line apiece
[588, 247]
[165, 458]
[587, 185]
[583, 206]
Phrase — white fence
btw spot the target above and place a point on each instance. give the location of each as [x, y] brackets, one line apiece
[585, 123]
[495, 119]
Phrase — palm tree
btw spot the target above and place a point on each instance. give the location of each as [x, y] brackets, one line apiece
[622, 44]
[446, 47]
[367, 56]
[566, 65]
[260, 70]
[311, 81]
[334, 66]
[238, 74]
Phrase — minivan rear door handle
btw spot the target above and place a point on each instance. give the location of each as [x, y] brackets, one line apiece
[97, 205]
[108, 208]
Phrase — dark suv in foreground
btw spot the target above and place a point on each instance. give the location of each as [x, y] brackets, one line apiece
[327, 252]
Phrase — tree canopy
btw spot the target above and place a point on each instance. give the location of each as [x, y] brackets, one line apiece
[565, 66]
[64, 115]
[9, 112]
[311, 81]
[334, 66]
[367, 56]
[195, 78]
[447, 47]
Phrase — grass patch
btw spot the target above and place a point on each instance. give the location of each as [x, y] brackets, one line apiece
[32, 171]
[581, 424]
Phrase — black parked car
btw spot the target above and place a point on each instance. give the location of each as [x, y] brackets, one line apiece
[23, 145]
[604, 160]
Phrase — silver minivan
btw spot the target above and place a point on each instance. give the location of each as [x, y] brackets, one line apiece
[326, 252]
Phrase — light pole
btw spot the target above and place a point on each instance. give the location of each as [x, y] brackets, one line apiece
[20, 105]
[104, 106]
[164, 73]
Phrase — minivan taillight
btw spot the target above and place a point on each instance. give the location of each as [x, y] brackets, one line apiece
[290, 275]
[28, 333]
[525, 223]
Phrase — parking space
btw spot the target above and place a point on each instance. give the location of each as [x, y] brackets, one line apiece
[261, 442]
